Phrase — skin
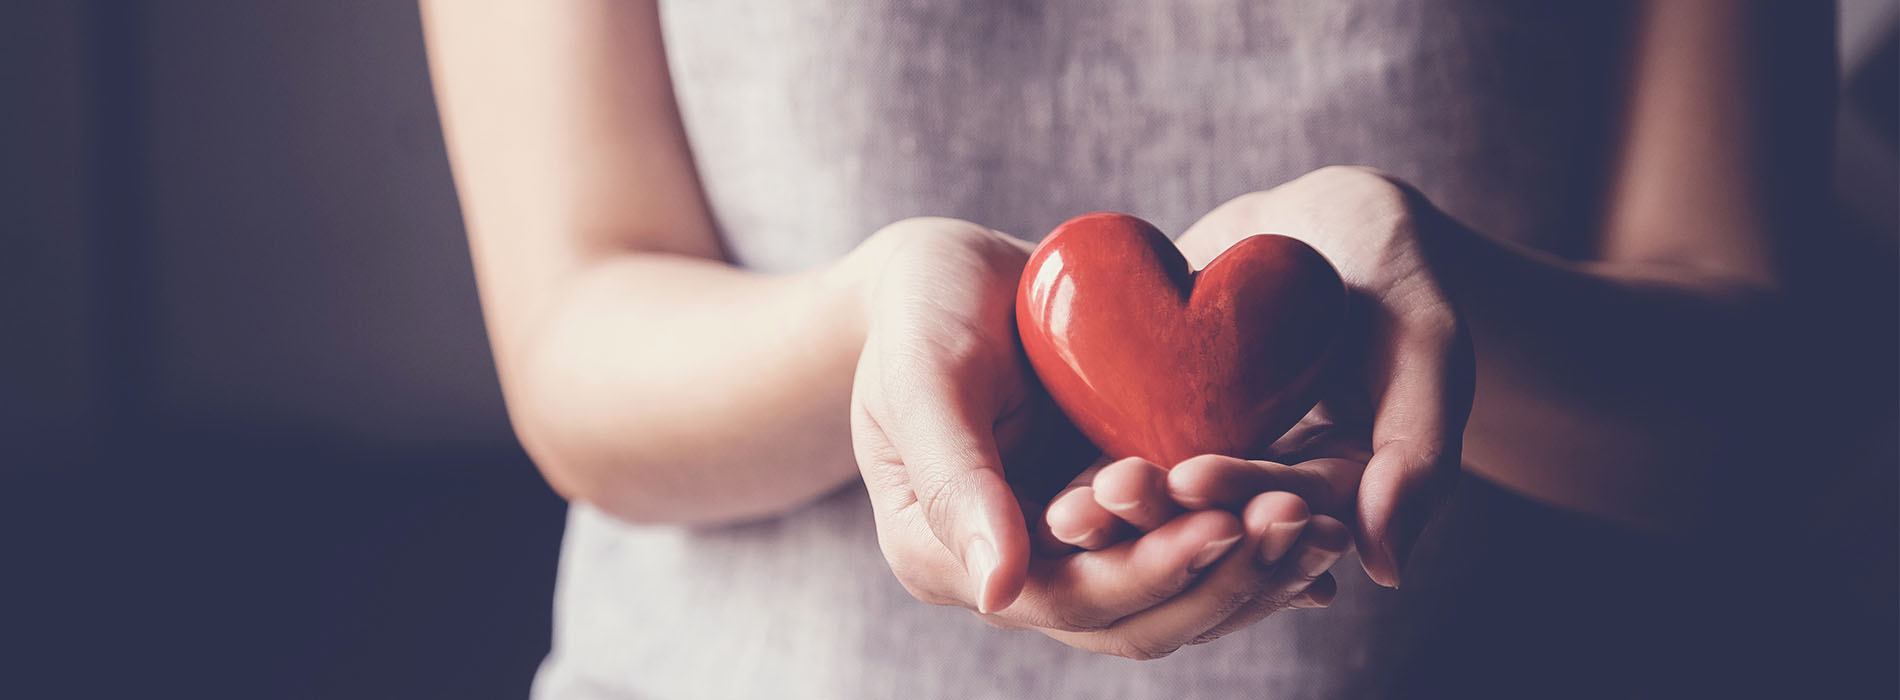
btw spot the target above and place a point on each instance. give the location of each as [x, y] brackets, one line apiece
[649, 377]
[1612, 386]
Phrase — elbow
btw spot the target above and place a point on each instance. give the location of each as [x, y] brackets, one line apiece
[618, 493]
[627, 459]
[567, 482]
[561, 473]
[576, 472]
[568, 452]
[634, 490]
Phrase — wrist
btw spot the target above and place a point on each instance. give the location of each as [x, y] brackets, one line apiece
[920, 246]
[851, 282]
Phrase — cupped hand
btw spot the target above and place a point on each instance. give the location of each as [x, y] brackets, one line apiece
[943, 396]
[1292, 547]
[1382, 449]
[1407, 383]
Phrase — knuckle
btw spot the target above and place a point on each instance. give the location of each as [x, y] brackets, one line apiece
[940, 490]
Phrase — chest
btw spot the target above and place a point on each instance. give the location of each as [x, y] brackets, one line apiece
[816, 122]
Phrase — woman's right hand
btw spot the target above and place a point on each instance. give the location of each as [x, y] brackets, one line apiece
[942, 393]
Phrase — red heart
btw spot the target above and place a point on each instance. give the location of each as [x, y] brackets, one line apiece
[1152, 360]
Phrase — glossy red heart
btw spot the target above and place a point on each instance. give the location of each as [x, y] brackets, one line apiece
[1153, 360]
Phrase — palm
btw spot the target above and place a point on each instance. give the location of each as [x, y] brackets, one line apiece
[1402, 385]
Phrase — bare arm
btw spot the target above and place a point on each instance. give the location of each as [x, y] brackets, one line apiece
[1629, 385]
[627, 348]
[648, 377]
[1634, 386]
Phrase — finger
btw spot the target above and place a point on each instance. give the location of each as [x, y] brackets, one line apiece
[973, 513]
[1417, 434]
[1076, 519]
[1091, 590]
[1215, 481]
[950, 458]
[1280, 519]
[1230, 584]
[1042, 539]
[1322, 542]
[1136, 490]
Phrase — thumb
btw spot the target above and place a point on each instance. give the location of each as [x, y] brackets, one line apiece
[949, 451]
[1422, 402]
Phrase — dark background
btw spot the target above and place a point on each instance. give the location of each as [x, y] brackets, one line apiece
[253, 442]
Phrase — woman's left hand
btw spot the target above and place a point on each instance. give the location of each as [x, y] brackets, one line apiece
[1382, 449]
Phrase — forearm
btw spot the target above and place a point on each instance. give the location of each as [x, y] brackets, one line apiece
[1619, 389]
[675, 389]
[641, 375]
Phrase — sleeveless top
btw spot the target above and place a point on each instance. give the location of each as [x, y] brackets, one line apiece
[815, 122]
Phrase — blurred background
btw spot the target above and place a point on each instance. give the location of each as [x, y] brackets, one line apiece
[251, 441]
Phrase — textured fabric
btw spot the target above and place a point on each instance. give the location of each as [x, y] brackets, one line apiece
[815, 122]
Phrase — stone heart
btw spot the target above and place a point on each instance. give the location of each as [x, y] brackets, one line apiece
[1153, 360]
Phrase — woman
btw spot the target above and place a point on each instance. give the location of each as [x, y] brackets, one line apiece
[703, 316]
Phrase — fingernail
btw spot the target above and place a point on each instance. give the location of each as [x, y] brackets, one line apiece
[1188, 501]
[1118, 507]
[980, 562]
[1080, 540]
[1316, 561]
[1278, 539]
[1396, 566]
[1211, 552]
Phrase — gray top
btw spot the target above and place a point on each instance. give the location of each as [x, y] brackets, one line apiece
[815, 122]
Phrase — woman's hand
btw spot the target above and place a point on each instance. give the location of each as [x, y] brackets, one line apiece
[1382, 449]
[943, 396]
[1408, 377]
[1112, 501]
